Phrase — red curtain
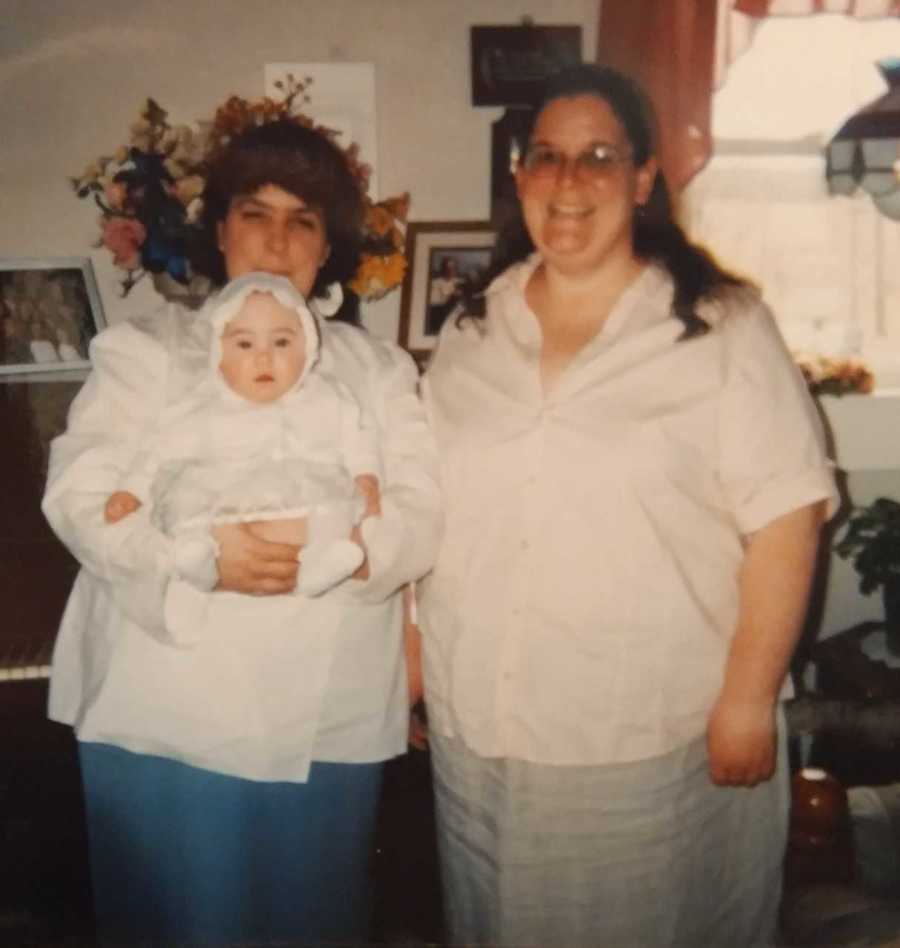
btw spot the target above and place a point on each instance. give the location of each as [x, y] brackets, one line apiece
[670, 47]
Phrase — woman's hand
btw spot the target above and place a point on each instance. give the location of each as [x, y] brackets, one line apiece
[291, 530]
[248, 564]
[741, 741]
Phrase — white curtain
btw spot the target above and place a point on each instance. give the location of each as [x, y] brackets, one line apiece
[737, 20]
[826, 264]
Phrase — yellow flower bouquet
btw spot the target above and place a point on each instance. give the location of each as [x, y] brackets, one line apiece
[835, 376]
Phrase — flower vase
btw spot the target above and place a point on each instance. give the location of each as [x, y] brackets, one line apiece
[890, 594]
[191, 295]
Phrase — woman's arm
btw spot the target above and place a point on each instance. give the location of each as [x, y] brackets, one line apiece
[412, 648]
[109, 421]
[774, 587]
[401, 544]
[778, 484]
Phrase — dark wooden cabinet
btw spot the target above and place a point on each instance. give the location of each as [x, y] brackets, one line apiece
[36, 571]
[44, 886]
[866, 750]
[44, 878]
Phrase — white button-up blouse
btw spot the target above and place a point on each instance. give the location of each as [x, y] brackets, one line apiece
[586, 591]
[331, 686]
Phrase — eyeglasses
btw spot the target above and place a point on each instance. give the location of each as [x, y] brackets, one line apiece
[593, 164]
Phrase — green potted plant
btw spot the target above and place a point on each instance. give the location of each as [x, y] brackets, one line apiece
[871, 542]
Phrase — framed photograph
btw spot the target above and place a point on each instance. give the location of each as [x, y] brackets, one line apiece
[49, 310]
[444, 258]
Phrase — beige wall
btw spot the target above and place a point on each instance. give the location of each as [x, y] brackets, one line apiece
[73, 74]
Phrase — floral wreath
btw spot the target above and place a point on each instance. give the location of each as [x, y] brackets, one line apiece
[150, 195]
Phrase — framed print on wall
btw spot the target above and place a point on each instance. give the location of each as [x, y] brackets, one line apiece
[444, 258]
[50, 310]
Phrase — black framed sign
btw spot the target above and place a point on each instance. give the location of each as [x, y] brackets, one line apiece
[509, 63]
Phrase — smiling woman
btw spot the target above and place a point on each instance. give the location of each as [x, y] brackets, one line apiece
[578, 211]
[617, 408]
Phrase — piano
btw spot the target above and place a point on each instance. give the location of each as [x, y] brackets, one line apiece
[44, 880]
[36, 571]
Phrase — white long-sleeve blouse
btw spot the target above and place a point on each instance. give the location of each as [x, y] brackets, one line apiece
[120, 681]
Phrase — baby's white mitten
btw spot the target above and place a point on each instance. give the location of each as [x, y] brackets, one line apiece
[323, 565]
[195, 558]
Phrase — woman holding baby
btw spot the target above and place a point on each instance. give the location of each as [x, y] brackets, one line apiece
[232, 730]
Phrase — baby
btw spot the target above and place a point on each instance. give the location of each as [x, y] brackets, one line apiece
[270, 438]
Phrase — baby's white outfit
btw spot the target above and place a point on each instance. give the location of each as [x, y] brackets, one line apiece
[215, 457]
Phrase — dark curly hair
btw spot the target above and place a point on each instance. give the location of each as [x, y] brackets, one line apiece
[302, 162]
[656, 236]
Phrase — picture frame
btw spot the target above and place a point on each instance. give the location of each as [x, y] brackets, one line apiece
[50, 310]
[510, 63]
[442, 256]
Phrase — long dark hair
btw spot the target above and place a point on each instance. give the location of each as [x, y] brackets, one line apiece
[656, 235]
[302, 162]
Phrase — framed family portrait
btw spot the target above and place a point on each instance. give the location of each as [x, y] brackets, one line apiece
[444, 260]
[50, 310]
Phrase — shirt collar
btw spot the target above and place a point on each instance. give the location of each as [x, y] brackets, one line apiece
[645, 301]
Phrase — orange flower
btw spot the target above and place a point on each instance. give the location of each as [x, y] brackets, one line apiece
[231, 117]
[379, 220]
[398, 206]
[377, 274]
[827, 376]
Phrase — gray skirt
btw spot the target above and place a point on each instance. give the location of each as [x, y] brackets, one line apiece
[649, 853]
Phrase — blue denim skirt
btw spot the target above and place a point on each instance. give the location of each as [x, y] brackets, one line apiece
[186, 856]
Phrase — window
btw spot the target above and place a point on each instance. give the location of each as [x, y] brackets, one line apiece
[828, 266]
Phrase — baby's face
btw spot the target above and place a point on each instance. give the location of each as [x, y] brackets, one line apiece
[263, 349]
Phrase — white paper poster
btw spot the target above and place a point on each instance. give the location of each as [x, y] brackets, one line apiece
[342, 96]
